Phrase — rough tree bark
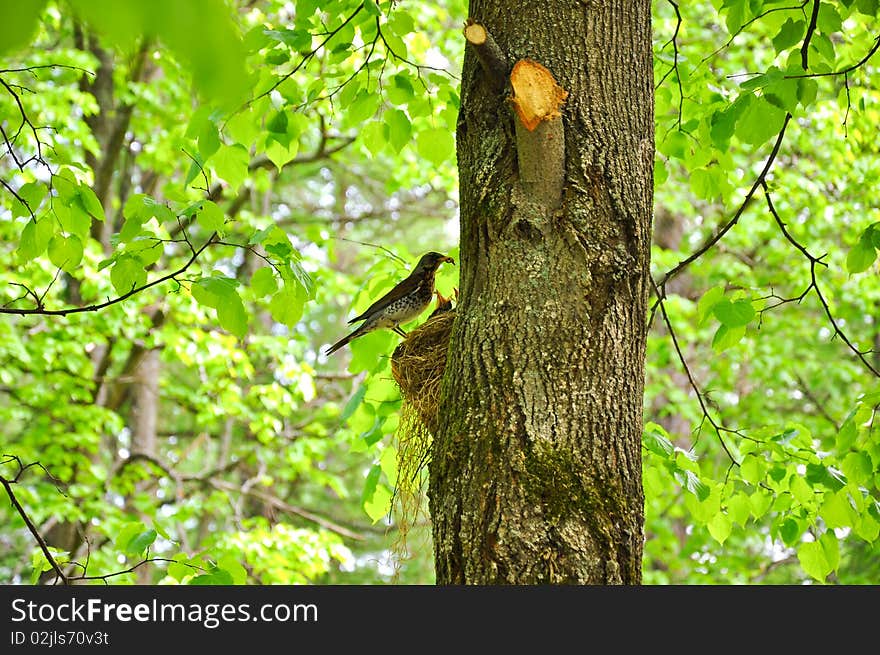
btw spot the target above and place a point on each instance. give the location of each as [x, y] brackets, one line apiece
[536, 465]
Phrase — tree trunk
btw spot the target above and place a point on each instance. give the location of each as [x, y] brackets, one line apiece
[536, 464]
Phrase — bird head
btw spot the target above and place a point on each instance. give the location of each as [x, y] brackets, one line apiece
[431, 261]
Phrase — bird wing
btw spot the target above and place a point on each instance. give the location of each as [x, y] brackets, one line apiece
[402, 288]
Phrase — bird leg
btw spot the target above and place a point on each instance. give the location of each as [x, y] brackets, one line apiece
[397, 329]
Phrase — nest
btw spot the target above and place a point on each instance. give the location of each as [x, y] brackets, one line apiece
[418, 364]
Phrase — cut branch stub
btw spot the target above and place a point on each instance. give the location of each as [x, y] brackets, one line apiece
[536, 95]
[540, 135]
[492, 59]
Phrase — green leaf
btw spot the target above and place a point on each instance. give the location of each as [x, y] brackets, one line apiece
[831, 547]
[400, 90]
[436, 145]
[783, 94]
[738, 508]
[802, 491]
[813, 560]
[211, 217]
[371, 482]
[399, 128]
[263, 282]
[836, 510]
[33, 193]
[73, 218]
[20, 20]
[719, 527]
[213, 291]
[759, 503]
[66, 252]
[790, 531]
[286, 306]
[868, 7]
[708, 183]
[858, 467]
[364, 107]
[690, 481]
[208, 142]
[216, 576]
[727, 337]
[734, 314]
[127, 273]
[752, 469]
[232, 314]
[763, 79]
[231, 163]
[231, 565]
[90, 203]
[657, 441]
[829, 20]
[807, 91]
[790, 33]
[278, 123]
[373, 136]
[140, 542]
[868, 528]
[146, 248]
[862, 255]
[708, 301]
[35, 238]
[823, 45]
[353, 403]
[760, 122]
[178, 568]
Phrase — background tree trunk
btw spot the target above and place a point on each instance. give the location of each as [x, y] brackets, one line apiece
[536, 466]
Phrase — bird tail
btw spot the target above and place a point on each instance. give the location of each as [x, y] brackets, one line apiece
[344, 340]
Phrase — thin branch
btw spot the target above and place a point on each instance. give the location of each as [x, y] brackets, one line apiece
[12, 191]
[373, 245]
[308, 55]
[747, 24]
[842, 71]
[7, 485]
[674, 42]
[418, 67]
[148, 560]
[811, 28]
[693, 383]
[201, 170]
[290, 509]
[814, 286]
[716, 237]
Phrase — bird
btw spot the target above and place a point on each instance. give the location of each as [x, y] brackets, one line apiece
[409, 298]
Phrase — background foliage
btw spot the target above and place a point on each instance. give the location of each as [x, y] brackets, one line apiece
[186, 223]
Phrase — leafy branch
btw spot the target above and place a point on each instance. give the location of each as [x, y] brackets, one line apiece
[306, 57]
[707, 416]
[814, 286]
[660, 287]
[7, 485]
[56, 566]
[42, 311]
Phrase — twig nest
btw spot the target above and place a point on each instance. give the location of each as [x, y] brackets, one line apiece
[418, 363]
